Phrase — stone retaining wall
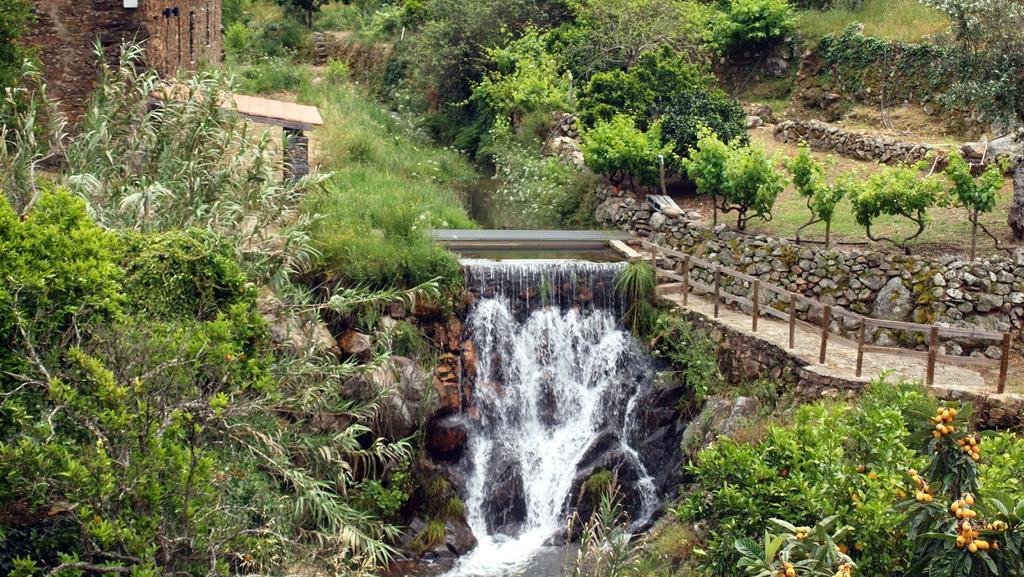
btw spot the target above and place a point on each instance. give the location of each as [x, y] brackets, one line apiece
[744, 357]
[987, 294]
[829, 138]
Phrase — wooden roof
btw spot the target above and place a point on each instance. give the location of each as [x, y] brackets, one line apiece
[258, 109]
[287, 114]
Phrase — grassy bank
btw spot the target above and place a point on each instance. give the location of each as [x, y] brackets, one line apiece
[906, 20]
[389, 184]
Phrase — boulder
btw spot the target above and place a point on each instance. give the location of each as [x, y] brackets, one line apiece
[355, 343]
[446, 437]
[505, 507]
[719, 417]
[299, 332]
[459, 538]
[893, 302]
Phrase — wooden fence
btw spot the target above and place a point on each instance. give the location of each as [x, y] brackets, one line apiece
[932, 333]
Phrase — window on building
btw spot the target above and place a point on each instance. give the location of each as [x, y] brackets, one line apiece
[192, 36]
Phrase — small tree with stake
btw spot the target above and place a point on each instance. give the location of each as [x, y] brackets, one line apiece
[977, 195]
[706, 166]
[750, 185]
[740, 179]
[900, 191]
[822, 197]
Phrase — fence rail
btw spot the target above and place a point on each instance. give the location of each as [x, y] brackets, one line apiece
[864, 324]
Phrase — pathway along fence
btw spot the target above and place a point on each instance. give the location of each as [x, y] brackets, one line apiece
[863, 323]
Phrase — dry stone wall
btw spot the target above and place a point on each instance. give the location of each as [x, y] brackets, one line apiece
[987, 294]
[830, 138]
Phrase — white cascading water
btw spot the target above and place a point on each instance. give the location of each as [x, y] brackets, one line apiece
[549, 380]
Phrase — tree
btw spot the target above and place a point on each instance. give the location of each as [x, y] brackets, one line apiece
[690, 110]
[898, 191]
[309, 8]
[614, 34]
[526, 78]
[705, 166]
[619, 150]
[750, 25]
[821, 196]
[643, 91]
[15, 18]
[750, 185]
[977, 195]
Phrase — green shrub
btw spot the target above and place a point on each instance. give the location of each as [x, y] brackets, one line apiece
[337, 71]
[644, 91]
[621, 151]
[190, 273]
[454, 509]
[15, 18]
[239, 40]
[269, 74]
[598, 485]
[431, 536]
[545, 190]
[691, 111]
[750, 24]
[635, 285]
[691, 353]
[59, 270]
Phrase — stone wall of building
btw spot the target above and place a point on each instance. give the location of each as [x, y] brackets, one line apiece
[178, 34]
[987, 294]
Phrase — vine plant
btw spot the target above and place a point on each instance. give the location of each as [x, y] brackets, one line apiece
[821, 196]
[898, 191]
[977, 195]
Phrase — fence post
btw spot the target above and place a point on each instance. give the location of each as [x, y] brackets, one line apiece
[792, 320]
[1004, 363]
[686, 278]
[933, 351]
[718, 288]
[654, 261]
[826, 319]
[757, 303]
[860, 346]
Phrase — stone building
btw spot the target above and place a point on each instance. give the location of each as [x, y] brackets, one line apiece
[177, 34]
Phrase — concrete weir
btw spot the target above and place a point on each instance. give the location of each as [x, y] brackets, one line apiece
[545, 240]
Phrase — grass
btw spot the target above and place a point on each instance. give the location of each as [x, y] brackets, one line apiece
[906, 20]
[389, 186]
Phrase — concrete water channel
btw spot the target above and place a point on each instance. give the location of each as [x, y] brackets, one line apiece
[596, 245]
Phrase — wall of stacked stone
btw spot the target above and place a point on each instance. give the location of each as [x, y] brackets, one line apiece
[830, 138]
[742, 357]
[987, 294]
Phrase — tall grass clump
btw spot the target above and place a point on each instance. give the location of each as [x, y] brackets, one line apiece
[389, 187]
[635, 285]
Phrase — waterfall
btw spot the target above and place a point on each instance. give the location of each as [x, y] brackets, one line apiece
[555, 392]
